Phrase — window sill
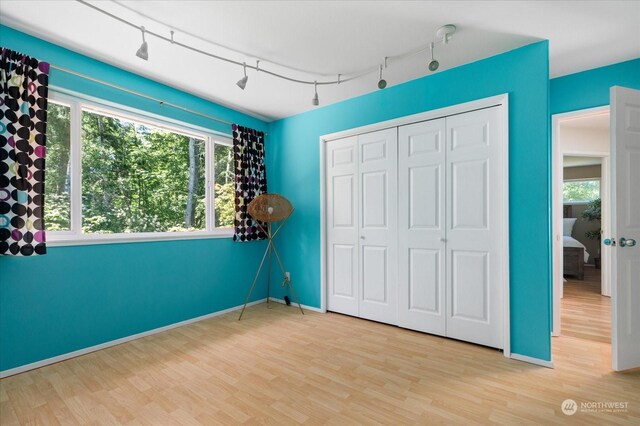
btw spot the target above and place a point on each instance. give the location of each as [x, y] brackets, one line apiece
[576, 203]
[54, 240]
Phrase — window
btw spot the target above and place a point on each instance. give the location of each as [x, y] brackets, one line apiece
[581, 191]
[57, 208]
[224, 180]
[114, 175]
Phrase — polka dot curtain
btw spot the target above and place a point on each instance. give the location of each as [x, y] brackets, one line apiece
[250, 180]
[23, 119]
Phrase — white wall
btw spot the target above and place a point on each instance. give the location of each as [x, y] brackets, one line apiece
[580, 140]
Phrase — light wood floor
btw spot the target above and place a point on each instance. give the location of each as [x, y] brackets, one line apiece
[277, 367]
[585, 312]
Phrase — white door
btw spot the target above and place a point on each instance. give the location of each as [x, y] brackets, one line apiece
[378, 196]
[421, 227]
[625, 227]
[474, 225]
[342, 225]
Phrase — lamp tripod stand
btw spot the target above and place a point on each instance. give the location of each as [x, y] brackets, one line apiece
[269, 210]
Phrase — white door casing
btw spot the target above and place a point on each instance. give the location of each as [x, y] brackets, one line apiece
[473, 227]
[559, 150]
[378, 195]
[625, 225]
[342, 225]
[421, 226]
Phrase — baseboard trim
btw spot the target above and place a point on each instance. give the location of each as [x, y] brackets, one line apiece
[63, 357]
[531, 360]
[307, 307]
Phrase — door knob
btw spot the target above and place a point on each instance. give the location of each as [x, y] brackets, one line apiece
[362, 237]
[610, 242]
[627, 242]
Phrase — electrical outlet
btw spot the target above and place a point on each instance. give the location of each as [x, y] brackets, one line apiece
[287, 276]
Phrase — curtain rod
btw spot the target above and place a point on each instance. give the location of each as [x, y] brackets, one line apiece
[142, 95]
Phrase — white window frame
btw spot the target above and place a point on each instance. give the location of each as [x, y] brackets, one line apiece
[74, 236]
[579, 202]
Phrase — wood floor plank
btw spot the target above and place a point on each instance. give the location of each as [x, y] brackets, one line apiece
[278, 367]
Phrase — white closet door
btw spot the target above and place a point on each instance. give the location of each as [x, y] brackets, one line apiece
[378, 197]
[421, 227]
[473, 221]
[342, 225]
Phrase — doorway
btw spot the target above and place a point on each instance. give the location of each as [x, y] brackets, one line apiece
[581, 206]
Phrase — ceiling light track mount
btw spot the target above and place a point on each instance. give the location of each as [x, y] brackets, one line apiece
[445, 33]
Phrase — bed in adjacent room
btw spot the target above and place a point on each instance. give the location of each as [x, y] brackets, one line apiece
[575, 253]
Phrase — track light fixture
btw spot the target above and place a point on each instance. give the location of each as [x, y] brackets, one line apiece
[443, 36]
[143, 51]
[382, 83]
[315, 101]
[242, 83]
[433, 65]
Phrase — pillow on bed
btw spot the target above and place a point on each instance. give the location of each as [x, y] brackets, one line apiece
[567, 225]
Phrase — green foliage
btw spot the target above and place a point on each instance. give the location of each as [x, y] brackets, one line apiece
[592, 213]
[224, 189]
[57, 212]
[584, 190]
[57, 209]
[135, 178]
[225, 204]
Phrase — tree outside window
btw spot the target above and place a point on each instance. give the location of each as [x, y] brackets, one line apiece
[581, 190]
[137, 177]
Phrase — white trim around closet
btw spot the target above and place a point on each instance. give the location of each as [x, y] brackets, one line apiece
[501, 101]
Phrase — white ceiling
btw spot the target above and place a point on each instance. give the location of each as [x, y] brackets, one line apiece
[314, 40]
[596, 122]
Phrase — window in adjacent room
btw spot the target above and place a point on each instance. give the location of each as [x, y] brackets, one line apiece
[581, 191]
[119, 174]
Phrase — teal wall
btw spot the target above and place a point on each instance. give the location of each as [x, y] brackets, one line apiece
[87, 295]
[590, 88]
[75, 297]
[523, 73]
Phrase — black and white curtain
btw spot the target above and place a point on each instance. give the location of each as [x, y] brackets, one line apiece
[23, 119]
[250, 180]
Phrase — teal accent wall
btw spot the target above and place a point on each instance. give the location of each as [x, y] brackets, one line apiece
[523, 74]
[76, 297]
[589, 89]
[87, 295]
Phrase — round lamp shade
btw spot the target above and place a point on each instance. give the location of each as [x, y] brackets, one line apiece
[270, 208]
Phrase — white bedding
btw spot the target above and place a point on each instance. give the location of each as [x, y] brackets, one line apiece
[568, 241]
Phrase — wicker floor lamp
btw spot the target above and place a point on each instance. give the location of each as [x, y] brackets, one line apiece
[270, 208]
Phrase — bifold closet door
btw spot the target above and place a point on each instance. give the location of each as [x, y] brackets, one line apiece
[378, 196]
[342, 225]
[474, 226]
[421, 226]
[415, 226]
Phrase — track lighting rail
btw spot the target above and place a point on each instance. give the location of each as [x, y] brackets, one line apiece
[444, 34]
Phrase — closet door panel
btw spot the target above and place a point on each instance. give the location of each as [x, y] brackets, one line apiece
[421, 228]
[342, 225]
[473, 228]
[377, 170]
